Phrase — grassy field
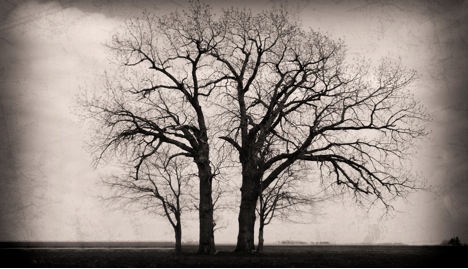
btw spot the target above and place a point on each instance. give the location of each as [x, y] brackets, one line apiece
[151, 255]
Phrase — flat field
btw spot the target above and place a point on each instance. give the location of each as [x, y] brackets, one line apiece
[161, 255]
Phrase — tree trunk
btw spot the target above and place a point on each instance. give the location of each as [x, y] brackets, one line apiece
[260, 236]
[249, 196]
[206, 242]
[178, 238]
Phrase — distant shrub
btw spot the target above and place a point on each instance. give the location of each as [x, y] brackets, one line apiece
[454, 241]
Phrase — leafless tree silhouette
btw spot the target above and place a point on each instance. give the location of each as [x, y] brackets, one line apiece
[162, 187]
[283, 199]
[293, 97]
[157, 96]
[277, 93]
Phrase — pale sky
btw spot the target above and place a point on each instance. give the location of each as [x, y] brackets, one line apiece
[51, 50]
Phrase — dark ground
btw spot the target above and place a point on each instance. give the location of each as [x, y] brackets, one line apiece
[161, 255]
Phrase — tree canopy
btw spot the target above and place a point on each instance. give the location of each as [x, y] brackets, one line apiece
[278, 94]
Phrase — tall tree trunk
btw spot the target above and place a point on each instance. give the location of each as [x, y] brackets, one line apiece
[206, 242]
[260, 236]
[178, 237]
[249, 196]
[205, 210]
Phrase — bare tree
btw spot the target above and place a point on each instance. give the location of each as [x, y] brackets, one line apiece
[279, 95]
[293, 97]
[162, 187]
[283, 199]
[157, 96]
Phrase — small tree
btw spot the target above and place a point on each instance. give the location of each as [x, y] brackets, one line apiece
[162, 187]
[281, 200]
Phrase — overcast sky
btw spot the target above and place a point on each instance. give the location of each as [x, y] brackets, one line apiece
[50, 50]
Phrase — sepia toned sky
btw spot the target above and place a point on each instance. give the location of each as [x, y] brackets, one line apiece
[51, 50]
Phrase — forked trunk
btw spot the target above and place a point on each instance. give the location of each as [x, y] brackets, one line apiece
[206, 242]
